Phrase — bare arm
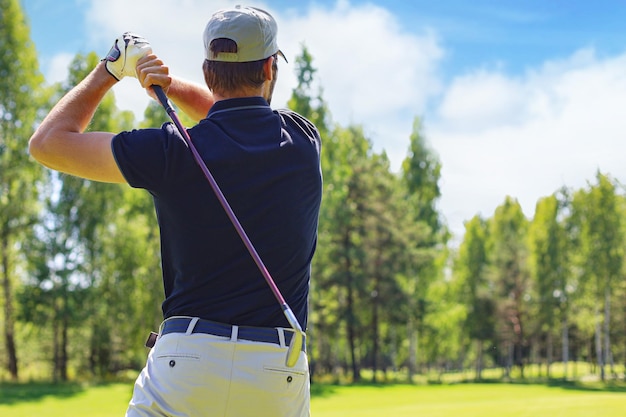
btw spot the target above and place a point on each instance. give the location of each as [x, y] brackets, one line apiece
[193, 99]
[60, 142]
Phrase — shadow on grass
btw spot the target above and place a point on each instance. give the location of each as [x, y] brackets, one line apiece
[327, 389]
[607, 386]
[322, 390]
[13, 393]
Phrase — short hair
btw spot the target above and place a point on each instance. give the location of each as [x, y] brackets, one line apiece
[223, 77]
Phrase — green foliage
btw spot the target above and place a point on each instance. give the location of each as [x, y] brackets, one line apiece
[21, 97]
[154, 116]
[548, 264]
[389, 297]
[95, 264]
[301, 101]
[474, 290]
[507, 258]
[421, 173]
[598, 213]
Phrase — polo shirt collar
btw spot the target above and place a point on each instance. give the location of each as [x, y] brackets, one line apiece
[237, 104]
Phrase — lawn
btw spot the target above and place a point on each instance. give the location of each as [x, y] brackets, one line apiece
[467, 400]
[67, 400]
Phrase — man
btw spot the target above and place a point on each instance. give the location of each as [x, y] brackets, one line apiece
[221, 348]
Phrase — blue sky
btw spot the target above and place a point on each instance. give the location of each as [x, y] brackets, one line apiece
[517, 98]
[514, 33]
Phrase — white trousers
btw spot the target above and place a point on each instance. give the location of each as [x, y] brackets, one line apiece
[201, 375]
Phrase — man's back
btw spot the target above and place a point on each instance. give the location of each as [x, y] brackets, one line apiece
[223, 338]
[267, 165]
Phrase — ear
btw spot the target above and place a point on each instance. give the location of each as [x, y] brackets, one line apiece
[267, 68]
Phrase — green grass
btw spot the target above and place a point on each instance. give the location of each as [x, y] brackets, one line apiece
[68, 400]
[467, 400]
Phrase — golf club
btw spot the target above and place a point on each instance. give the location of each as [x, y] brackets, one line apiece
[297, 340]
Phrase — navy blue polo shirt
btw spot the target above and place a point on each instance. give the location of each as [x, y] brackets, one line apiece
[267, 164]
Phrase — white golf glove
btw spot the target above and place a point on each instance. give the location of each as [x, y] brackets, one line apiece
[121, 61]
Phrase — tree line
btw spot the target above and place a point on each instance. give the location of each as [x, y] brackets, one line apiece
[81, 279]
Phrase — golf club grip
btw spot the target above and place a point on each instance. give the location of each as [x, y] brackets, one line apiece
[163, 99]
[229, 211]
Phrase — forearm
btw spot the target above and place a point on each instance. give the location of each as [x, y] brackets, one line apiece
[59, 142]
[76, 109]
[191, 98]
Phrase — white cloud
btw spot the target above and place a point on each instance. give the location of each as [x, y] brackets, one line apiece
[373, 72]
[367, 64]
[174, 29]
[496, 134]
[527, 136]
[478, 100]
[58, 68]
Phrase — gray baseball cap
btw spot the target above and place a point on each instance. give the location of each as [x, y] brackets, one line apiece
[253, 30]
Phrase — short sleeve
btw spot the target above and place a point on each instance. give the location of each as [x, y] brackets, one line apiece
[146, 156]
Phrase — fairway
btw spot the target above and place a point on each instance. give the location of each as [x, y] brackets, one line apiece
[467, 400]
[31, 400]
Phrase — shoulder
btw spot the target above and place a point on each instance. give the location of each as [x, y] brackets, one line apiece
[145, 155]
[293, 116]
[294, 119]
[148, 137]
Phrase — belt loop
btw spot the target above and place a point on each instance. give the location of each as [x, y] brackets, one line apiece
[162, 325]
[281, 337]
[234, 333]
[192, 325]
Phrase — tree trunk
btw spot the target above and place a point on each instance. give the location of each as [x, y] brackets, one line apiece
[598, 339]
[55, 344]
[479, 360]
[337, 365]
[607, 334]
[63, 358]
[549, 347]
[565, 347]
[509, 358]
[535, 353]
[624, 332]
[412, 336]
[9, 318]
[393, 350]
[356, 377]
[375, 330]
[518, 348]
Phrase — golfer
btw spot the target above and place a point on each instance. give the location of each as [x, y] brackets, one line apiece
[221, 348]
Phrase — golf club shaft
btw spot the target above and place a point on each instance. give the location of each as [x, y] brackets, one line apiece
[291, 318]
